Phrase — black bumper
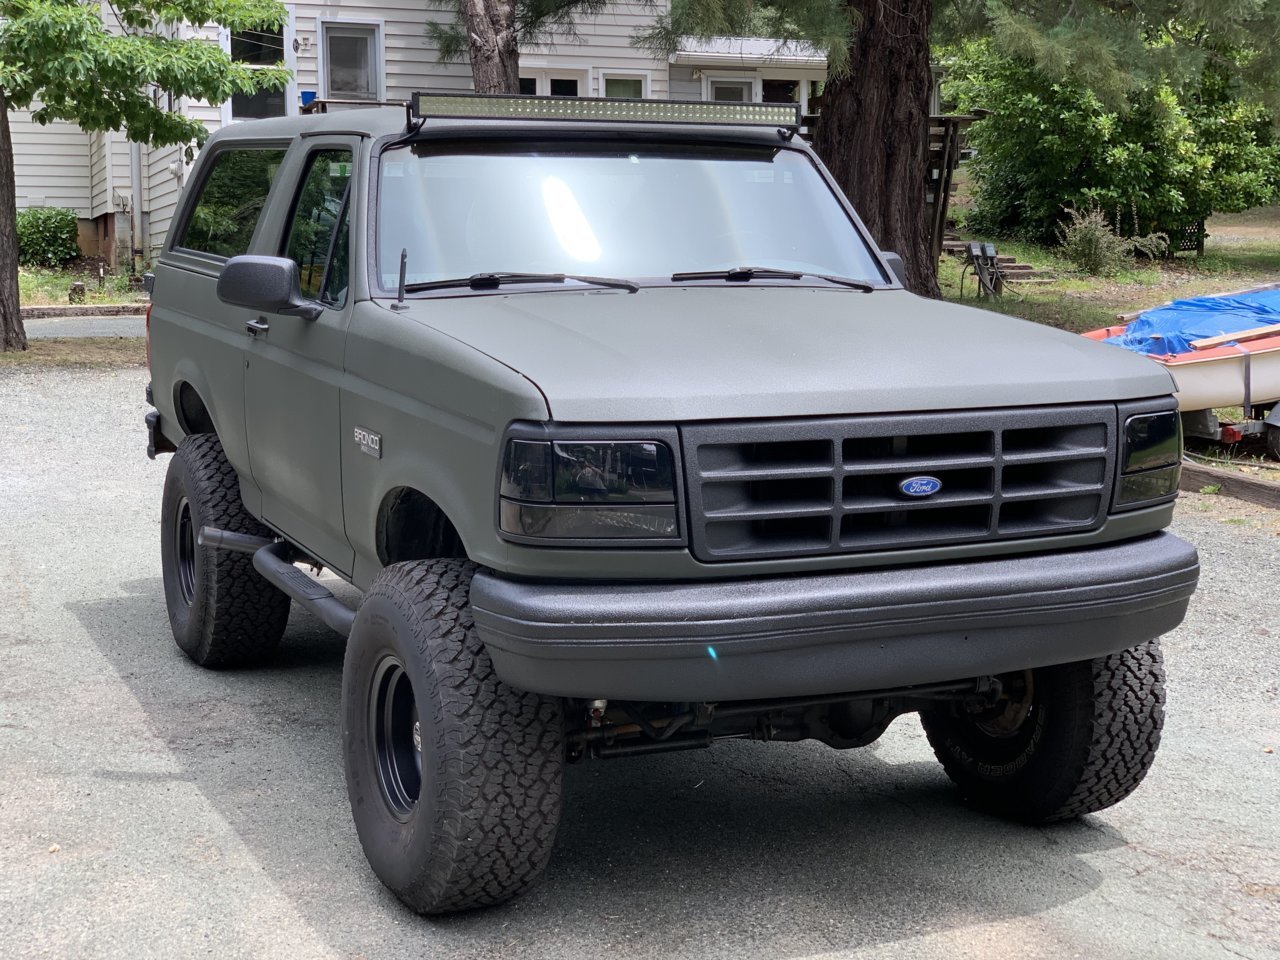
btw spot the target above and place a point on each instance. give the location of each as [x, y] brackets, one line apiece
[831, 633]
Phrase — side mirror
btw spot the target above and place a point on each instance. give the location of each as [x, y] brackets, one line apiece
[269, 284]
[895, 264]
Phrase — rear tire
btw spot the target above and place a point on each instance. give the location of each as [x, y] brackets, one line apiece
[1073, 739]
[1273, 441]
[223, 612]
[454, 777]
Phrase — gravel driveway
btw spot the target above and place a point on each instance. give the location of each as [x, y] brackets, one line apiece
[152, 809]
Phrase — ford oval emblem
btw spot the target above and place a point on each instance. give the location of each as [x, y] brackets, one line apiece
[920, 486]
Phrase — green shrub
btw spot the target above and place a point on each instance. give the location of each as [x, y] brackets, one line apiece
[1093, 246]
[1168, 157]
[47, 236]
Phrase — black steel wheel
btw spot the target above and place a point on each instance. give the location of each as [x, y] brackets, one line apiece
[222, 611]
[184, 549]
[1273, 441]
[396, 736]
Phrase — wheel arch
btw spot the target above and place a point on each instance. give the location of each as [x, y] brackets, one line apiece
[190, 410]
[412, 526]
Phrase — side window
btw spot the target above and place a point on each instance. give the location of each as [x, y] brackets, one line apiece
[232, 197]
[318, 236]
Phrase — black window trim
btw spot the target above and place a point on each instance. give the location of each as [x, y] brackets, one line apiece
[191, 198]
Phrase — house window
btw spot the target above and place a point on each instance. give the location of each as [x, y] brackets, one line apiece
[257, 49]
[352, 61]
[624, 88]
[773, 90]
[554, 83]
[732, 91]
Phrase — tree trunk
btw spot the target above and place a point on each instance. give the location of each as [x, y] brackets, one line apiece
[491, 36]
[873, 134]
[12, 336]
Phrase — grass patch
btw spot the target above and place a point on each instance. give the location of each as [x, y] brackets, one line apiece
[92, 353]
[1243, 250]
[41, 287]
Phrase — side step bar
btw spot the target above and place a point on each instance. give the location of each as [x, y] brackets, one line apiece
[272, 559]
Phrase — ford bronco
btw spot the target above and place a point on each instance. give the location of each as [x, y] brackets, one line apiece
[632, 441]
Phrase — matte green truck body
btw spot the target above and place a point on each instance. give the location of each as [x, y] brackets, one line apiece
[632, 442]
[440, 379]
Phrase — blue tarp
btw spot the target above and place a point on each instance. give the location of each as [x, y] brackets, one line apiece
[1170, 329]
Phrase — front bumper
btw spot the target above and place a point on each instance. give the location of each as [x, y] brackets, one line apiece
[768, 637]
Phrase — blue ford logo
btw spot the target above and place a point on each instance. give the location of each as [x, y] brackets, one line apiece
[920, 486]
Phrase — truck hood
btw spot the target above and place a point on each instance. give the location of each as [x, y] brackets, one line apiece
[718, 352]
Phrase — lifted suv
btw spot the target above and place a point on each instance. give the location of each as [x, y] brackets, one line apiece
[633, 441]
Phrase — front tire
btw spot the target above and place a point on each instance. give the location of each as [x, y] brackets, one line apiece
[454, 777]
[223, 612]
[1066, 740]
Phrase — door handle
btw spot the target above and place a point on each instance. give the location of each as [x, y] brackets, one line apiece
[257, 326]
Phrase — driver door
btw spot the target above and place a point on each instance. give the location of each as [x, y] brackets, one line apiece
[294, 366]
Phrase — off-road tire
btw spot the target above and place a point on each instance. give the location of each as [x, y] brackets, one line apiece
[1087, 742]
[227, 614]
[481, 827]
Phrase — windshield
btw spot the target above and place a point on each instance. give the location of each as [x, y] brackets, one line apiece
[636, 212]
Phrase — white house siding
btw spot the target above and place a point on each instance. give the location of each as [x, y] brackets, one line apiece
[684, 85]
[604, 47]
[409, 62]
[99, 176]
[50, 164]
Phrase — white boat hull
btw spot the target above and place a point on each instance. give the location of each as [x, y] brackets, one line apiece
[1208, 382]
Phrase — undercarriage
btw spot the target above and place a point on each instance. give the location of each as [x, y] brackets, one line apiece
[604, 729]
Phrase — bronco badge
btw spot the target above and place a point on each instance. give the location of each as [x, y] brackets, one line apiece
[369, 442]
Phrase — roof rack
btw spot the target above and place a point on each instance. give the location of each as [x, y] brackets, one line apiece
[479, 106]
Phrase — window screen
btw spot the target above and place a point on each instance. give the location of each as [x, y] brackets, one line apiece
[351, 61]
[317, 229]
[229, 202]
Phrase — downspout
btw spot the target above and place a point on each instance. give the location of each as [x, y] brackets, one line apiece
[135, 208]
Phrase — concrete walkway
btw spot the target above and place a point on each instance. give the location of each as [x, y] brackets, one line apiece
[46, 327]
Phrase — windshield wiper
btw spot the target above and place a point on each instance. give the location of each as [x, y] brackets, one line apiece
[743, 274]
[491, 281]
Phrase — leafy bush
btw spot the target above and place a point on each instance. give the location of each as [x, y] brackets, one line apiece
[1172, 156]
[1092, 245]
[47, 236]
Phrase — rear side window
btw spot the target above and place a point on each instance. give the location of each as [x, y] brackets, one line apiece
[317, 238]
[230, 201]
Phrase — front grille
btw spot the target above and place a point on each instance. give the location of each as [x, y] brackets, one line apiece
[821, 486]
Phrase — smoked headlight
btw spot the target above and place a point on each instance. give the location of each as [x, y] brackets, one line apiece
[583, 490]
[1150, 458]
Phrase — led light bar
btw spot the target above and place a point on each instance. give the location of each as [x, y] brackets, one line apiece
[490, 107]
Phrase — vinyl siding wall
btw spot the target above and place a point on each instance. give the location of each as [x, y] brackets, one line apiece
[51, 164]
[603, 47]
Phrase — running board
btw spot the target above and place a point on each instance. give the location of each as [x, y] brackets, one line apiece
[271, 559]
